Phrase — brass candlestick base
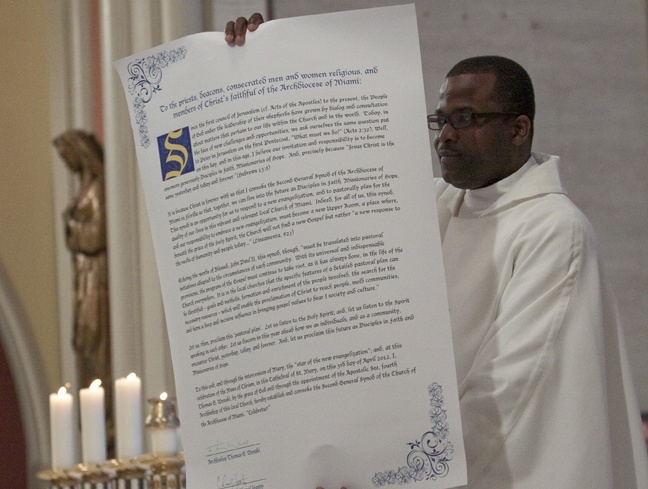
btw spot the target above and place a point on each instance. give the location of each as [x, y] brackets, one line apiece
[58, 479]
[164, 471]
[92, 476]
[150, 471]
[128, 474]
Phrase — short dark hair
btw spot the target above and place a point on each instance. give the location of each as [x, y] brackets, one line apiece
[513, 89]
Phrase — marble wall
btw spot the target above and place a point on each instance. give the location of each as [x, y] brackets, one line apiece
[589, 64]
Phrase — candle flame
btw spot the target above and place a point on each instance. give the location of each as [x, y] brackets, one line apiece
[95, 384]
[62, 391]
[131, 376]
[163, 396]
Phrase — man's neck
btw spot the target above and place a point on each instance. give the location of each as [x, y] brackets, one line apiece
[477, 201]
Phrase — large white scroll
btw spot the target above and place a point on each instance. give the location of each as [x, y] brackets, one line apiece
[289, 188]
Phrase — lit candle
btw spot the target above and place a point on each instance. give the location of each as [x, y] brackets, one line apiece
[93, 423]
[128, 417]
[61, 429]
[162, 423]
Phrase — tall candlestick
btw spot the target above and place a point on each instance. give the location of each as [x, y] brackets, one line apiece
[93, 424]
[128, 417]
[61, 429]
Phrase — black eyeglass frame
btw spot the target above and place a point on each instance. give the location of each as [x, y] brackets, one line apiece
[441, 120]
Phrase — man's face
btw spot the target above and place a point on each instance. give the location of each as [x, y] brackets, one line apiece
[481, 154]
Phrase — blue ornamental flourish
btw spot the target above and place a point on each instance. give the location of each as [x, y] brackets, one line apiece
[428, 457]
[144, 82]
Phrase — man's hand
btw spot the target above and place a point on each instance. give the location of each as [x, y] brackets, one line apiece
[235, 31]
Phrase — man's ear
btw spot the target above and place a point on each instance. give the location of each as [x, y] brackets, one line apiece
[522, 130]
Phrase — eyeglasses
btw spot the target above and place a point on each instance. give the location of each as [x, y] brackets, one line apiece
[459, 120]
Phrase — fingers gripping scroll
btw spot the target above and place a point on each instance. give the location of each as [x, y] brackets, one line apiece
[235, 31]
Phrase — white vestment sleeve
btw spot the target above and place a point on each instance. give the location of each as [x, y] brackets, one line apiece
[538, 351]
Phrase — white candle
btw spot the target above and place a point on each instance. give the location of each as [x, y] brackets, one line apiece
[93, 423]
[128, 417]
[164, 439]
[61, 429]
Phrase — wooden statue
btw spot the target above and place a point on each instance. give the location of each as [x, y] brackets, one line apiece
[85, 235]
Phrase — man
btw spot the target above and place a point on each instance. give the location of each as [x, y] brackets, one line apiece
[545, 394]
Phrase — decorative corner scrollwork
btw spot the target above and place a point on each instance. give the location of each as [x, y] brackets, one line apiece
[144, 81]
[428, 457]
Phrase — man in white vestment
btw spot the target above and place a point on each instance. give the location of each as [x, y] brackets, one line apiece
[545, 391]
